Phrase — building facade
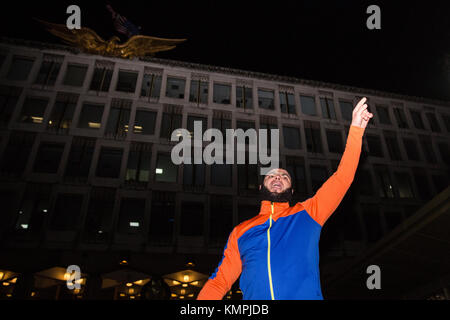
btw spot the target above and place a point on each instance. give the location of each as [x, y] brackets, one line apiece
[86, 172]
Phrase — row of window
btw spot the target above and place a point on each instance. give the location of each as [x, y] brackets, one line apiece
[198, 92]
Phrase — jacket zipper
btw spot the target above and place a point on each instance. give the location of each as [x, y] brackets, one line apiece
[268, 256]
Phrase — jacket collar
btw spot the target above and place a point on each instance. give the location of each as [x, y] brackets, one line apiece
[278, 207]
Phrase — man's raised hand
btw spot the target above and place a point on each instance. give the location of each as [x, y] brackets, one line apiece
[361, 116]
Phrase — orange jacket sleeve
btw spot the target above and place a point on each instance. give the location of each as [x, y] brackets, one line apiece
[226, 273]
[327, 198]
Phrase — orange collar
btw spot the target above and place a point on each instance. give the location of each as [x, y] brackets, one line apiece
[278, 207]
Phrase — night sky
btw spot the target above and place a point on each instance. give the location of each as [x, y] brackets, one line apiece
[316, 40]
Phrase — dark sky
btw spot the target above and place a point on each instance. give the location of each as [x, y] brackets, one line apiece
[317, 40]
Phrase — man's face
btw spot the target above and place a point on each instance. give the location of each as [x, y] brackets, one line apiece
[277, 181]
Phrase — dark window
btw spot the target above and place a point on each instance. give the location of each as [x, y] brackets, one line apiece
[296, 168]
[220, 218]
[287, 103]
[75, 75]
[80, 158]
[246, 212]
[371, 217]
[192, 119]
[392, 146]
[363, 181]
[411, 149]
[151, 86]
[383, 114]
[221, 174]
[90, 116]
[423, 186]
[328, 111]
[319, 175]
[427, 148]
[446, 118]
[166, 170]
[101, 79]
[67, 211]
[139, 161]
[99, 214]
[269, 127]
[199, 91]
[222, 93]
[222, 125]
[119, 117]
[48, 157]
[393, 219]
[445, 152]
[131, 215]
[432, 120]
[33, 110]
[417, 119]
[334, 139]
[313, 137]
[170, 122]
[404, 184]
[245, 125]
[385, 186]
[175, 88]
[266, 99]
[191, 223]
[162, 217]
[144, 122]
[20, 68]
[374, 144]
[291, 137]
[248, 175]
[440, 182]
[127, 81]
[308, 105]
[244, 97]
[401, 119]
[17, 152]
[48, 72]
[109, 162]
[8, 101]
[62, 112]
[194, 175]
[346, 110]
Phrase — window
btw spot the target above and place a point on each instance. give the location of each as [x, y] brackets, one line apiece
[248, 175]
[411, 149]
[222, 93]
[191, 223]
[33, 110]
[404, 184]
[385, 186]
[392, 145]
[17, 152]
[269, 124]
[266, 99]
[220, 218]
[144, 122]
[246, 212]
[423, 186]
[432, 120]
[199, 91]
[401, 119]
[131, 215]
[393, 219]
[8, 101]
[162, 217]
[170, 122]
[291, 137]
[374, 143]
[48, 157]
[287, 103]
[244, 97]
[221, 174]
[383, 114]
[80, 158]
[446, 119]
[66, 213]
[222, 124]
[151, 85]
[194, 175]
[363, 181]
[165, 170]
[440, 182]
[319, 175]
[334, 139]
[308, 105]
[417, 119]
[445, 152]
[175, 88]
[296, 168]
[245, 125]
[427, 148]
[90, 116]
[127, 81]
[20, 68]
[346, 110]
[99, 214]
[49, 70]
[119, 117]
[371, 217]
[313, 137]
[62, 112]
[190, 123]
[139, 161]
[328, 111]
[101, 79]
[75, 75]
[109, 162]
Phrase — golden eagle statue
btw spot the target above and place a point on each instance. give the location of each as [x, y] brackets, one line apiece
[89, 41]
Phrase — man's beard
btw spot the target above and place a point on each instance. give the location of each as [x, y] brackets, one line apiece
[285, 196]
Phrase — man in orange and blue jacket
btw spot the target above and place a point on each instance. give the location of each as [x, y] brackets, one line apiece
[276, 253]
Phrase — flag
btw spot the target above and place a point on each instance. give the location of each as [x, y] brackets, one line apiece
[122, 24]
